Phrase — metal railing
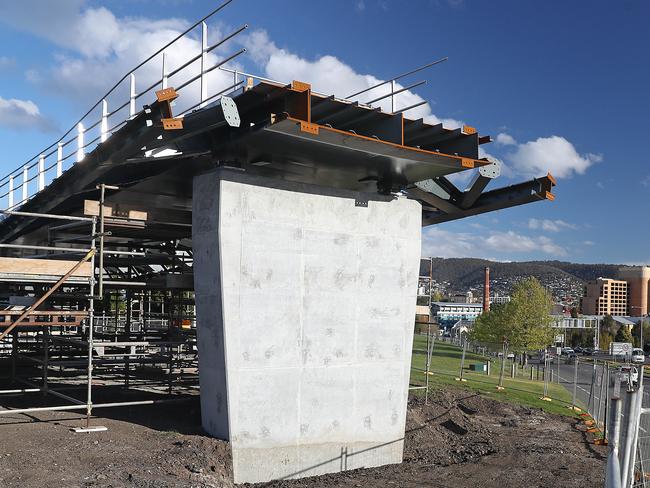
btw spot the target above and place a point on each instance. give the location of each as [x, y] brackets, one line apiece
[118, 105]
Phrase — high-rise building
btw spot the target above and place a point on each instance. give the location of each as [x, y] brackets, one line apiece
[605, 296]
[637, 278]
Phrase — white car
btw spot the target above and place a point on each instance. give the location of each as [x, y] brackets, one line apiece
[638, 356]
[567, 350]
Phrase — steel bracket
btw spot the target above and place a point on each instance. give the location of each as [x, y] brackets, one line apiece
[230, 112]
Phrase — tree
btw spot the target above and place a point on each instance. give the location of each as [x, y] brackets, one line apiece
[606, 338]
[493, 326]
[623, 335]
[525, 322]
[607, 331]
[608, 325]
[636, 333]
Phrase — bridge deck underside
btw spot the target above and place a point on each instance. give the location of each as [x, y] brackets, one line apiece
[284, 133]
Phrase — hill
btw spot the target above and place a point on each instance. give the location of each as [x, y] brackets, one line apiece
[462, 274]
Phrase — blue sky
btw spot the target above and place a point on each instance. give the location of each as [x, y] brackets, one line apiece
[559, 85]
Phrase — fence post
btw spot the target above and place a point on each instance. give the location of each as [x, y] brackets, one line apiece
[603, 388]
[532, 371]
[25, 178]
[80, 142]
[636, 419]
[575, 384]
[132, 94]
[503, 363]
[430, 343]
[41, 172]
[512, 370]
[164, 70]
[462, 363]
[104, 125]
[10, 200]
[590, 407]
[59, 159]
[489, 367]
[613, 473]
[607, 407]
[547, 372]
[558, 370]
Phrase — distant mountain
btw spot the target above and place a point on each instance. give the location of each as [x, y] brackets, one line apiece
[462, 274]
[585, 272]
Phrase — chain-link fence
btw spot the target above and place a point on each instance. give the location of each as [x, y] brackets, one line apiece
[608, 396]
[641, 453]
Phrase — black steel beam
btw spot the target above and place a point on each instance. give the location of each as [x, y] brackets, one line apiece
[509, 196]
[440, 203]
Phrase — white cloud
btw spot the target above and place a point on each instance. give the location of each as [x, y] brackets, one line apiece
[554, 154]
[22, 114]
[438, 242]
[360, 6]
[96, 57]
[47, 19]
[513, 242]
[329, 75]
[99, 48]
[550, 225]
[588, 243]
[504, 139]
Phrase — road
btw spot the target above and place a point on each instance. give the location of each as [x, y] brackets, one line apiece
[585, 373]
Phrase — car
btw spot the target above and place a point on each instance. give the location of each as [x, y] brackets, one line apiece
[570, 356]
[567, 351]
[638, 356]
[588, 351]
[578, 350]
[628, 374]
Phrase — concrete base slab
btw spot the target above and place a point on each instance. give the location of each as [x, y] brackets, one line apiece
[305, 305]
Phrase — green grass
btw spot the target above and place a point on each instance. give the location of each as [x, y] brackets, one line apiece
[445, 365]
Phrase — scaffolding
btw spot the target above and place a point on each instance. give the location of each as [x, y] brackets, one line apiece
[61, 338]
[424, 299]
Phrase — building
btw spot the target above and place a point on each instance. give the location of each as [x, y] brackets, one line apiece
[448, 313]
[462, 297]
[637, 278]
[605, 296]
[499, 299]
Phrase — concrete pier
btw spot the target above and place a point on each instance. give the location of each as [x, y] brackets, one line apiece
[305, 304]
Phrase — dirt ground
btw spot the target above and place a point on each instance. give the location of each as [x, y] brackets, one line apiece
[458, 440]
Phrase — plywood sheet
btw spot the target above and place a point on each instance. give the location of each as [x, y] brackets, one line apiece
[46, 267]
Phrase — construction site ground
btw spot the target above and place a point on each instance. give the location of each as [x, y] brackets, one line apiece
[460, 439]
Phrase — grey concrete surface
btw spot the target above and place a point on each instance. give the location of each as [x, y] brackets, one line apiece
[305, 302]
